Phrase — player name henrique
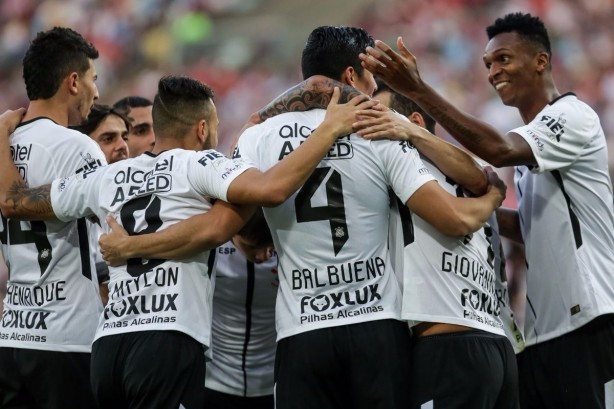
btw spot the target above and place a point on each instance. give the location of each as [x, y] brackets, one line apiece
[334, 274]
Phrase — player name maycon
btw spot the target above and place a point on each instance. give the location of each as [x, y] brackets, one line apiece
[335, 274]
[35, 295]
[161, 277]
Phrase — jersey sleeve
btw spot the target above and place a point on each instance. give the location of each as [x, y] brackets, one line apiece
[211, 173]
[80, 154]
[77, 196]
[558, 134]
[403, 167]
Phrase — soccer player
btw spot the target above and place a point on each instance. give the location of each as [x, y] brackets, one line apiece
[52, 302]
[141, 137]
[243, 337]
[565, 213]
[155, 303]
[340, 340]
[454, 288]
[109, 129]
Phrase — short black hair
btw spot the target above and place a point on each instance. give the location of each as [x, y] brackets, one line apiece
[98, 113]
[179, 104]
[126, 104]
[529, 28]
[404, 105]
[330, 50]
[256, 230]
[53, 55]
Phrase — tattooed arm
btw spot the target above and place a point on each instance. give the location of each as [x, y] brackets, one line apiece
[314, 92]
[16, 200]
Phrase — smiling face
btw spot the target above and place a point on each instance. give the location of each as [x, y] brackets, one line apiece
[515, 69]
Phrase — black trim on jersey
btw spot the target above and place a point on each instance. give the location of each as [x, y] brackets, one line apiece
[575, 223]
[249, 298]
[561, 96]
[84, 248]
[153, 155]
[36, 119]
[407, 223]
[211, 261]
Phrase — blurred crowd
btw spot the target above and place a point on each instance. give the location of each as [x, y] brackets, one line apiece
[141, 40]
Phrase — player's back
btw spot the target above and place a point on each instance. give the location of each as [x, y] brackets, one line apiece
[331, 235]
[147, 194]
[52, 299]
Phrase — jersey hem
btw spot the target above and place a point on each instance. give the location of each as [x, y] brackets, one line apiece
[415, 319]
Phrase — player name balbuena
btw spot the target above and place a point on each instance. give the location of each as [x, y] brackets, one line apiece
[335, 274]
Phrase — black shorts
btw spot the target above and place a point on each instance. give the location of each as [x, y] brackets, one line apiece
[465, 369]
[44, 379]
[363, 365]
[221, 400]
[571, 371]
[148, 370]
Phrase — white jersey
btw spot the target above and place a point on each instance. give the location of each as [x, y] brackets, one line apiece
[52, 300]
[146, 194]
[567, 220]
[331, 236]
[450, 279]
[243, 331]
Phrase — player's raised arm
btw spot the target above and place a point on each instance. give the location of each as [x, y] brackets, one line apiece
[16, 200]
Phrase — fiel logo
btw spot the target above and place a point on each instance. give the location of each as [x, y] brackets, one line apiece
[555, 125]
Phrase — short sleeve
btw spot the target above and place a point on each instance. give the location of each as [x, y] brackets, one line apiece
[558, 134]
[77, 196]
[403, 167]
[211, 173]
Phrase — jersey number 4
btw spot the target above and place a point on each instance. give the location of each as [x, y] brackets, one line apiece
[334, 211]
[37, 235]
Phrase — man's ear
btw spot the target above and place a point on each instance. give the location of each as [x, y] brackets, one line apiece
[542, 61]
[72, 83]
[349, 76]
[202, 131]
[417, 119]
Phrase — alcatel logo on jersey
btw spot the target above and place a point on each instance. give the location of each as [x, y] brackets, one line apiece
[21, 152]
[341, 149]
[555, 125]
[341, 299]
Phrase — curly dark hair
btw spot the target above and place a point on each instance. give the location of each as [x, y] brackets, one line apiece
[528, 27]
[53, 55]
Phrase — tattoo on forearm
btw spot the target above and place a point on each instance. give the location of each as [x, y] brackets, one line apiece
[307, 95]
[36, 200]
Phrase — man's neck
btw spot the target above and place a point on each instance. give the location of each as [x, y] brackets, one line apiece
[166, 144]
[47, 108]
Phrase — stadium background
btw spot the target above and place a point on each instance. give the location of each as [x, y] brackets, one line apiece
[248, 51]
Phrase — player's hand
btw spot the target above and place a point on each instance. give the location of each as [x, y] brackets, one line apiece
[495, 184]
[10, 119]
[398, 70]
[378, 123]
[112, 243]
[341, 117]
